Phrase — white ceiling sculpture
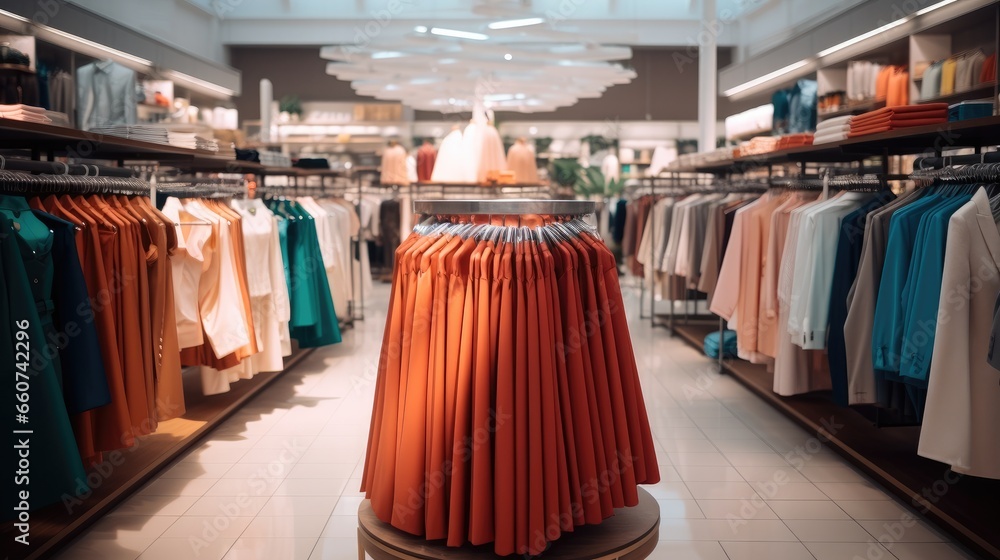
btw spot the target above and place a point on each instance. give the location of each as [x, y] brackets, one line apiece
[512, 59]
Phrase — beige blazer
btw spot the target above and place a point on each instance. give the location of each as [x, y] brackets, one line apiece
[963, 401]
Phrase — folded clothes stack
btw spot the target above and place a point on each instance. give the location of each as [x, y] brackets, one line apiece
[21, 112]
[893, 118]
[756, 146]
[833, 130]
[182, 139]
[795, 140]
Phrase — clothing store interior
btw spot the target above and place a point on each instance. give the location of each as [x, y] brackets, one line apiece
[482, 279]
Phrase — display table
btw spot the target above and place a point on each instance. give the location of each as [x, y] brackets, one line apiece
[631, 534]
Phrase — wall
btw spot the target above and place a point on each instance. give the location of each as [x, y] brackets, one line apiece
[665, 90]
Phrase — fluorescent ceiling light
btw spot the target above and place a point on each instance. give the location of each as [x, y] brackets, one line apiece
[458, 34]
[863, 36]
[764, 79]
[12, 15]
[933, 7]
[91, 44]
[884, 28]
[191, 81]
[512, 23]
[388, 54]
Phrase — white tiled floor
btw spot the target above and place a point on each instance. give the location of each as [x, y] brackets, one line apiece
[279, 480]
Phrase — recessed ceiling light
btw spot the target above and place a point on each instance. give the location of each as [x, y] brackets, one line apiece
[458, 34]
[533, 130]
[508, 56]
[420, 29]
[511, 23]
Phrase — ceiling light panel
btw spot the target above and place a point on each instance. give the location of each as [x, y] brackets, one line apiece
[508, 60]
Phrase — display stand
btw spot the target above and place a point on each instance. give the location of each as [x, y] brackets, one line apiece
[631, 534]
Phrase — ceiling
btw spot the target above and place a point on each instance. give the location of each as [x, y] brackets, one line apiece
[631, 22]
[459, 55]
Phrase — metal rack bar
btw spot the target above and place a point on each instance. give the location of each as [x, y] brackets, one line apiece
[505, 206]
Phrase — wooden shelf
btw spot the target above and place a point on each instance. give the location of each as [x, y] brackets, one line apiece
[852, 110]
[63, 141]
[981, 91]
[888, 455]
[970, 133]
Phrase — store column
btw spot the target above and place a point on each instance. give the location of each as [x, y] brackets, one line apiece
[707, 76]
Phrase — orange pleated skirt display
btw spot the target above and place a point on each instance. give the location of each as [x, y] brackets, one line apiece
[507, 406]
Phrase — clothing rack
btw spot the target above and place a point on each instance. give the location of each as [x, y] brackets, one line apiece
[945, 161]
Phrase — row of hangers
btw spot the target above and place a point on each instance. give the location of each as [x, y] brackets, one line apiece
[554, 231]
[24, 183]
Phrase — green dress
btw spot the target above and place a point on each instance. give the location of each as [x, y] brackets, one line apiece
[54, 470]
[313, 317]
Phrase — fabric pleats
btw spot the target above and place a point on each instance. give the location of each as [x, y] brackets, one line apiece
[508, 407]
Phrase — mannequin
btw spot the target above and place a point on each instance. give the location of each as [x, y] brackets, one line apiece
[485, 146]
[394, 165]
[521, 160]
[453, 163]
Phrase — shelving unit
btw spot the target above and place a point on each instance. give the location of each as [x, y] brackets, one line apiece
[887, 454]
[125, 471]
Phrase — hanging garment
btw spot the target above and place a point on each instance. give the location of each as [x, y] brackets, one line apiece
[332, 248]
[454, 162]
[930, 86]
[56, 469]
[963, 403]
[313, 319]
[394, 166]
[485, 148]
[861, 301]
[266, 281]
[501, 379]
[109, 425]
[105, 95]
[767, 326]
[817, 250]
[989, 71]
[611, 168]
[426, 157]
[846, 266]
[521, 160]
[796, 370]
[948, 68]
[898, 93]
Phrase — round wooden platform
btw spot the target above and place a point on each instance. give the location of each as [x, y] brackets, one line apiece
[631, 534]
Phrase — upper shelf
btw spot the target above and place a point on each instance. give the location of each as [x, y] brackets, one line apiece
[62, 141]
[971, 133]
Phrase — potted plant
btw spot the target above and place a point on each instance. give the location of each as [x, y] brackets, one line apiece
[291, 105]
[565, 172]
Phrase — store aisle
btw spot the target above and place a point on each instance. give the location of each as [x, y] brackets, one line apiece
[280, 478]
